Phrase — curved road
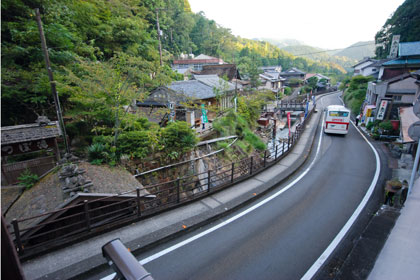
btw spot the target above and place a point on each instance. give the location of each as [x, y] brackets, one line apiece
[283, 238]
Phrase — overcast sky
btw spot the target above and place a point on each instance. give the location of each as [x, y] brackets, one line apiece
[328, 24]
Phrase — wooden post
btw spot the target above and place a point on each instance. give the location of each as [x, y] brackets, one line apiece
[265, 157]
[275, 155]
[17, 236]
[87, 216]
[138, 202]
[208, 180]
[231, 176]
[51, 78]
[177, 190]
[158, 33]
[251, 165]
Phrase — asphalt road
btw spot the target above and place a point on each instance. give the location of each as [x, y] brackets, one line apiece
[284, 237]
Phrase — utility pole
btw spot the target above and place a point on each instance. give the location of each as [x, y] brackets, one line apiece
[158, 33]
[50, 76]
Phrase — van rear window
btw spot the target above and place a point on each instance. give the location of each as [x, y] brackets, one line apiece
[338, 114]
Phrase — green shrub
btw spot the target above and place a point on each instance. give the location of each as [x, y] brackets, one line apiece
[97, 153]
[28, 179]
[177, 138]
[386, 125]
[287, 91]
[137, 144]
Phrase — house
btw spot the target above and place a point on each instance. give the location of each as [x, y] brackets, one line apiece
[271, 80]
[388, 95]
[293, 73]
[181, 96]
[195, 63]
[276, 68]
[318, 76]
[222, 70]
[362, 67]
[408, 61]
[35, 140]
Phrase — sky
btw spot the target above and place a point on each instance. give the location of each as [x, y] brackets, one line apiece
[327, 24]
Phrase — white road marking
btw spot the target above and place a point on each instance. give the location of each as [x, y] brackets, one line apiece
[324, 256]
[232, 219]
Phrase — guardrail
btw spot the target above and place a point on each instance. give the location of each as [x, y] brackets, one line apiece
[38, 234]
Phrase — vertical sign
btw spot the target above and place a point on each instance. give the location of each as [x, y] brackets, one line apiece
[393, 51]
[288, 121]
[382, 110]
[172, 113]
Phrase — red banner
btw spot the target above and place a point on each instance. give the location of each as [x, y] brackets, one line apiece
[288, 121]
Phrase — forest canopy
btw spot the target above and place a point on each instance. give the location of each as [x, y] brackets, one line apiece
[79, 32]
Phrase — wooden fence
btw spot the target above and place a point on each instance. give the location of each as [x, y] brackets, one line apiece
[10, 172]
[38, 234]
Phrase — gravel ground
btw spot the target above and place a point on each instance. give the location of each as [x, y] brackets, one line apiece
[47, 195]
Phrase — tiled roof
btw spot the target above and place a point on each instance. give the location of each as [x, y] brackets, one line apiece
[378, 63]
[220, 70]
[28, 132]
[409, 49]
[214, 81]
[202, 87]
[193, 89]
[366, 59]
[402, 61]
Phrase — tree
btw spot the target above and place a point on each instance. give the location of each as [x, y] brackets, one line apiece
[312, 81]
[404, 22]
[177, 138]
[102, 92]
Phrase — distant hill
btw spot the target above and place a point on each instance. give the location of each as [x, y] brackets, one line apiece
[345, 58]
[320, 55]
[358, 50]
[281, 43]
[306, 51]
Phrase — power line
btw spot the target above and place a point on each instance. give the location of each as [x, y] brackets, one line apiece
[369, 44]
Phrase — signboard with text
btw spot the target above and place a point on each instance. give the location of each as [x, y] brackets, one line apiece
[382, 110]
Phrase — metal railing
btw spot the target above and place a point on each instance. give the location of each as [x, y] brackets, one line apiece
[43, 232]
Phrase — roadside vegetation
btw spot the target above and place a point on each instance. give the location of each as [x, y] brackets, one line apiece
[355, 92]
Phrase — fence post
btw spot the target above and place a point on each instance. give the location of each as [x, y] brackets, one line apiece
[275, 155]
[138, 202]
[288, 142]
[87, 216]
[265, 157]
[208, 180]
[177, 190]
[251, 165]
[17, 236]
[231, 176]
[282, 150]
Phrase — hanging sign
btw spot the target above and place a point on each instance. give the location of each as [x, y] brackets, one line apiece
[382, 110]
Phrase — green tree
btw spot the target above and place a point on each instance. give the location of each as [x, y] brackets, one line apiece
[177, 138]
[404, 22]
[312, 81]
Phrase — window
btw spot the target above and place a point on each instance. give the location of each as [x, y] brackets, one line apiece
[397, 97]
[338, 114]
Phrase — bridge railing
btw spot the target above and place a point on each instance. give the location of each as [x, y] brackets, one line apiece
[41, 233]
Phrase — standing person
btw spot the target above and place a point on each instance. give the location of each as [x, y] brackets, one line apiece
[202, 121]
[357, 120]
